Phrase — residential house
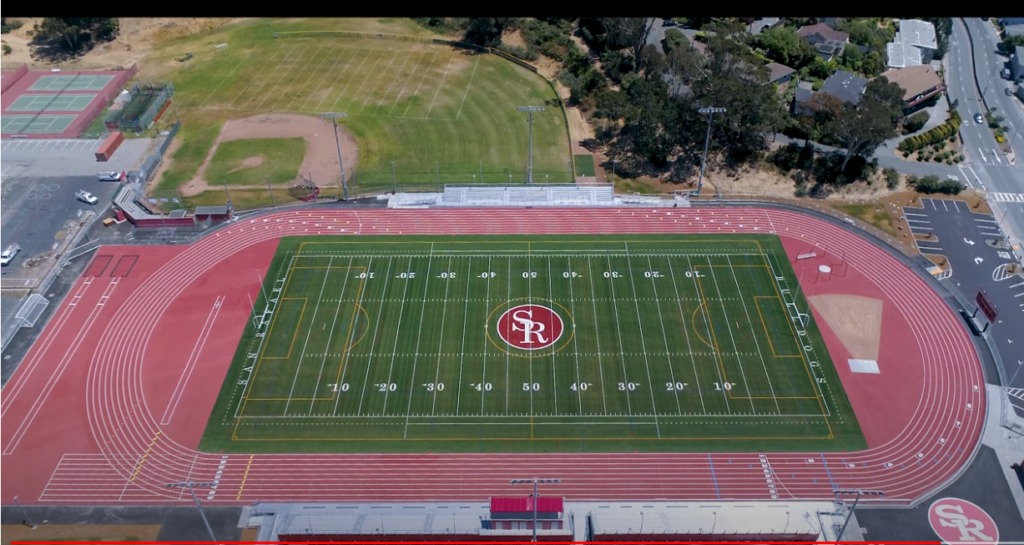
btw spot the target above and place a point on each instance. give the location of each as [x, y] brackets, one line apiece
[1007, 21]
[843, 85]
[828, 41]
[830, 21]
[779, 73]
[914, 45]
[1014, 30]
[919, 84]
[1017, 64]
[761, 25]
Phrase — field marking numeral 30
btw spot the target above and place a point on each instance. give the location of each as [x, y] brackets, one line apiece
[434, 386]
[611, 274]
[630, 386]
[447, 275]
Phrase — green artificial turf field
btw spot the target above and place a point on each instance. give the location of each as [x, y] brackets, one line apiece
[539, 343]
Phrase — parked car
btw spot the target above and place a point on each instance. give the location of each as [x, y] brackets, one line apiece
[1009, 92]
[979, 119]
[111, 176]
[1006, 73]
[668, 22]
[8, 255]
[86, 197]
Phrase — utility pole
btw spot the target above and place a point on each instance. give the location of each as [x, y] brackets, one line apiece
[271, 189]
[393, 179]
[191, 488]
[530, 109]
[28, 522]
[337, 142]
[703, 162]
[535, 496]
[226, 193]
[849, 515]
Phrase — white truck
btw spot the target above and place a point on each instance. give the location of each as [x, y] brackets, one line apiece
[8, 254]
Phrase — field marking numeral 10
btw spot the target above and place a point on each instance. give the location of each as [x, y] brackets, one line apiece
[724, 386]
[447, 275]
[694, 274]
[484, 387]
[580, 387]
[434, 386]
[531, 387]
[365, 275]
[630, 386]
[387, 387]
[488, 274]
[611, 274]
[529, 274]
[343, 387]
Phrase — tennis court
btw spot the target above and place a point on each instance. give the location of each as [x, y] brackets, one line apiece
[52, 103]
[35, 124]
[78, 82]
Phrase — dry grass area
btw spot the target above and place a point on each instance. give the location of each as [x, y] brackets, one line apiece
[78, 533]
[134, 43]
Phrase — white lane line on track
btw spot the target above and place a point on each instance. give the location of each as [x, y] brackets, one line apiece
[186, 373]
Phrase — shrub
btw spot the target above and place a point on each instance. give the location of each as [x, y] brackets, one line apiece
[915, 122]
[932, 184]
[6, 48]
[892, 178]
[816, 86]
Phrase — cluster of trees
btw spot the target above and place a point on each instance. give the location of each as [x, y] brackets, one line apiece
[915, 122]
[58, 38]
[947, 130]
[932, 184]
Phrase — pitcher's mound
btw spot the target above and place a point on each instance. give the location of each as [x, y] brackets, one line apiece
[856, 320]
[249, 162]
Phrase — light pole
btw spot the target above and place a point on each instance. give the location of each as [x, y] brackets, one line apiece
[333, 116]
[710, 111]
[28, 522]
[536, 495]
[530, 109]
[849, 515]
[191, 488]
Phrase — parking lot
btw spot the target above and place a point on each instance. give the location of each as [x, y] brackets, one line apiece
[971, 244]
[61, 158]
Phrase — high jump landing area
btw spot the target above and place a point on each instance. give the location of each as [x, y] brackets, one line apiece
[109, 405]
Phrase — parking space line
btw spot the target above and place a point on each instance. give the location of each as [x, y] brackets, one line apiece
[928, 249]
[1017, 285]
[918, 221]
[988, 221]
[913, 228]
[990, 233]
[1021, 294]
[912, 214]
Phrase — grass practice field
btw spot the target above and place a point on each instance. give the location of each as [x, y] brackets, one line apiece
[512, 343]
[412, 103]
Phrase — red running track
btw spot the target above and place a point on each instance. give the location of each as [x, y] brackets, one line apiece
[108, 407]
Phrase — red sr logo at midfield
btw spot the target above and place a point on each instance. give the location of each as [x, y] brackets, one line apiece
[530, 327]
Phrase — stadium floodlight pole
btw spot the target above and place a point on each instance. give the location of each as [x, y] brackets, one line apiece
[393, 179]
[191, 488]
[337, 142]
[226, 193]
[858, 492]
[530, 109]
[707, 139]
[28, 521]
[536, 495]
[271, 190]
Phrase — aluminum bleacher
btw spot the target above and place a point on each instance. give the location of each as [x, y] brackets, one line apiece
[541, 195]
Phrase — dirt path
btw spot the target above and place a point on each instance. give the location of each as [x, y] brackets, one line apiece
[856, 320]
[321, 156]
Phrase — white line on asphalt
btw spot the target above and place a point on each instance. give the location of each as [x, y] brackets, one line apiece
[912, 228]
[1017, 285]
[912, 214]
[986, 221]
[965, 176]
[996, 156]
[918, 221]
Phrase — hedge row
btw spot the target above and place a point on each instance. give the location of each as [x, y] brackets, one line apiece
[938, 134]
[932, 184]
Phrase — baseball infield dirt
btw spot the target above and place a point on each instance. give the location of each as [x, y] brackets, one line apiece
[856, 320]
[321, 155]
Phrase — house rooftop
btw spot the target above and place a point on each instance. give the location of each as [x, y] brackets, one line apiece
[915, 80]
[1014, 30]
[760, 25]
[901, 55]
[917, 33]
[778, 71]
[845, 86]
[824, 31]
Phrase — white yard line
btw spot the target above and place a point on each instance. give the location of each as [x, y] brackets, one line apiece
[643, 342]
[302, 91]
[440, 337]
[406, 86]
[508, 304]
[473, 75]
[390, 85]
[425, 72]
[575, 345]
[373, 343]
[309, 332]
[330, 336]
[754, 335]
[597, 336]
[270, 93]
[686, 334]
[441, 85]
[324, 77]
[462, 351]
[383, 73]
[416, 358]
[664, 336]
[348, 81]
[267, 79]
[618, 330]
[707, 327]
[358, 89]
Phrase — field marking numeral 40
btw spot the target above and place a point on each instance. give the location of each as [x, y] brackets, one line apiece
[343, 387]
[485, 387]
[387, 386]
[580, 387]
[434, 386]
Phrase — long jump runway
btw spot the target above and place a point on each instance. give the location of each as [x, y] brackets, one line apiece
[109, 405]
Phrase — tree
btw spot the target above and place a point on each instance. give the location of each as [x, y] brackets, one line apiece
[62, 37]
[487, 31]
[652, 62]
[853, 58]
[861, 128]
[888, 95]
[629, 32]
[1010, 42]
[784, 46]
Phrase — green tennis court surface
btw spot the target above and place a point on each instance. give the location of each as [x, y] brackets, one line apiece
[71, 83]
[512, 343]
[52, 103]
[35, 124]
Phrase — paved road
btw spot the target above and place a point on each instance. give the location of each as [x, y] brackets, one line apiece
[987, 65]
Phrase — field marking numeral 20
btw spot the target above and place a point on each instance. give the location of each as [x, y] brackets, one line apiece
[387, 386]
[675, 386]
[652, 274]
[411, 274]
